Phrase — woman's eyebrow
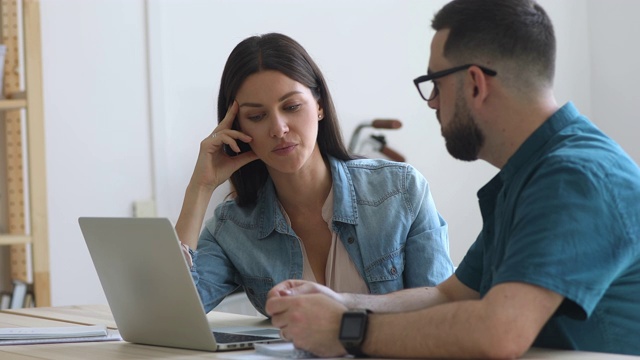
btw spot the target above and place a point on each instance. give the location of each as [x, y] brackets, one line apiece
[289, 94]
[282, 98]
[250, 105]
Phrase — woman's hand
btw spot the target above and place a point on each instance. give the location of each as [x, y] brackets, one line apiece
[303, 287]
[213, 166]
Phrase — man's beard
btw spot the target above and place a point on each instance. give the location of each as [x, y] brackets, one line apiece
[462, 136]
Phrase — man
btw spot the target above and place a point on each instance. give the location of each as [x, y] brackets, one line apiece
[557, 263]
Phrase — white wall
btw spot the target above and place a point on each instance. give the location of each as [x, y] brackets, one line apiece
[107, 134]
[615, 54]
[97, 128]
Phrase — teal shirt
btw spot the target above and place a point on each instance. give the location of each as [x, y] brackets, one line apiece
[564, 214]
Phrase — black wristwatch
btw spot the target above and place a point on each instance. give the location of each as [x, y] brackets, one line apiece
[353, 329]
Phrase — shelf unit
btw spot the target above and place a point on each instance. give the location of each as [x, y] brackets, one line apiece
[26, 225]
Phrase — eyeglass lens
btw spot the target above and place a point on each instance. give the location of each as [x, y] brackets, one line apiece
[428, 90]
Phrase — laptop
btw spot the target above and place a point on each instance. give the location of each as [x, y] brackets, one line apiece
[150, 291]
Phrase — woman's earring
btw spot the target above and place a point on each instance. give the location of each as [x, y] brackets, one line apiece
[319, 116]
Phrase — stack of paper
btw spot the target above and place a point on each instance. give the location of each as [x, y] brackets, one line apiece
[283, 350]
[80, 333]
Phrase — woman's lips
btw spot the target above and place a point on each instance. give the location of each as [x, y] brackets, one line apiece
[284, 149]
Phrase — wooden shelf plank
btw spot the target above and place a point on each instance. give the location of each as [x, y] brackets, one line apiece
[12, 104]
[7, 239]
[36, 152]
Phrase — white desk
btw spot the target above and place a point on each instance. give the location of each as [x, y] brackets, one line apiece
[100, 314]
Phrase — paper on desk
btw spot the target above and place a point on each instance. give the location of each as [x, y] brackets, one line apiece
[52, 332]
[80, 333]
[283, 350]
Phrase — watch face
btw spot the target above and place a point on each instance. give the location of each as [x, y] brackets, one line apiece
[352, 327]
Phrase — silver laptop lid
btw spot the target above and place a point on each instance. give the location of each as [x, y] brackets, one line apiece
[147, 282]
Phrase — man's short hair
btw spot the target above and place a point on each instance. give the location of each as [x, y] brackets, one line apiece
[516, 36]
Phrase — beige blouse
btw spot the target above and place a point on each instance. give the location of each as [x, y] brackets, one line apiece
[341, 274]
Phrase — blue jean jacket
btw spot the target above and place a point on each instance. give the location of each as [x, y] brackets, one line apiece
[384, 215]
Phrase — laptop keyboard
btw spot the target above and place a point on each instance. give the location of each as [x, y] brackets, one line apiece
[227, 338]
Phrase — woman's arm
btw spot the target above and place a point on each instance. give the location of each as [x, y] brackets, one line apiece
[399, 301]
[213, 168]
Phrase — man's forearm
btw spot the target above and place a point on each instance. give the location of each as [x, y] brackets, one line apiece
[399, 301]
[503, 324]
[426, 333]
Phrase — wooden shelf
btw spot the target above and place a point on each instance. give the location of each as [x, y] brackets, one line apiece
[6, 239]
[25, 148]
[12, 104]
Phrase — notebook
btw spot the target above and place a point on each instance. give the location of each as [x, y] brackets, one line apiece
[149, 288]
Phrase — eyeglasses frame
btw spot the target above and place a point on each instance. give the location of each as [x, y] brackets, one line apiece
[439, 74]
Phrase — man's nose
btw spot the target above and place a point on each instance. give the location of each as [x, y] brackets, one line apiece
[434, 103]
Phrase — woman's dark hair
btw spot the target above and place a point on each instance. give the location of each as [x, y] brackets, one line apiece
[515, 31]
[280, 53]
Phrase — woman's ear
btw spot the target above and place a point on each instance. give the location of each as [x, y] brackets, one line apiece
[320, 112]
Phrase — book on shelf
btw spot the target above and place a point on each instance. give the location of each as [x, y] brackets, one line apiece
[28, 300]
[20, 297]
[19, 294]
[5, 300]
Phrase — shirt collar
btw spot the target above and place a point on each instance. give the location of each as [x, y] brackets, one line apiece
[530, 149]
[344, 194]
[345, 208]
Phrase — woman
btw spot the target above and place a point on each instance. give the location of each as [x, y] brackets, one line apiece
[303, 208]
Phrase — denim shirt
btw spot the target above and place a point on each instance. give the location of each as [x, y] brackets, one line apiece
[383, 213]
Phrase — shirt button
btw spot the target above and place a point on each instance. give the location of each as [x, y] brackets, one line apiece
[350, 240]
[393, 270]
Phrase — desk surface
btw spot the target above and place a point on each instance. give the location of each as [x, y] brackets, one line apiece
[83, 315]
[100, 314]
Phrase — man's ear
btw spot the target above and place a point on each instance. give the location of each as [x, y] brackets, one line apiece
[479, 85]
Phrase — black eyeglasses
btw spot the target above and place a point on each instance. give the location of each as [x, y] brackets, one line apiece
[428, 88]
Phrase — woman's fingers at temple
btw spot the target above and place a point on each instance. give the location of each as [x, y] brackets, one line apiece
[227, 121]
[224, 132]
[231, 114]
